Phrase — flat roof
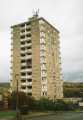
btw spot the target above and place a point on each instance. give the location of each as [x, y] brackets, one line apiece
[41, 18]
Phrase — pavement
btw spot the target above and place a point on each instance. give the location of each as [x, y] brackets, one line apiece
[29, 116]
[54, 116]
[50, 116]
[37, 114]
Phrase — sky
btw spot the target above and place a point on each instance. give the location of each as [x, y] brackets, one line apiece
[65, 15]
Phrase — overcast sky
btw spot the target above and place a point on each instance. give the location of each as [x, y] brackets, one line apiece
[65, 15]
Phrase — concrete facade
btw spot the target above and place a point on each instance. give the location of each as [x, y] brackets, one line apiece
[36, 59]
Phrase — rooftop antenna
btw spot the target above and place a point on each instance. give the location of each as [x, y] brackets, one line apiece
[36, 12]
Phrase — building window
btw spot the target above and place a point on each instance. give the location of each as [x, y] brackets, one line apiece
[23, 73]
[29, 73]
[44, 93]
[22, 42]
[23, 61]
[22, 25]
[29, 87]
[22, 36]
[42, 53]
[42, 28]
[42, 34]
[22, 48]
[43, 66]
[29, 61]
[41, 21]
[23, 30]
[43, 47]
[28, 35]
[29, 47]
[30, 94]
[28, 23]
[43, 73]
[23, 67]
[29, 41]
[29, 80]
[29, 53]
[22, 54]
[28, 29]
[23, 87]
[29, 66]
[43, 86]
[43, 59]
[23, 80]
[42, 40]
[43, 78]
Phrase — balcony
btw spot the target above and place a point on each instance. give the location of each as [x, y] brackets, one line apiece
[28, 29]
[28, 41]
[26, 77]
[42, 59]
[23, 77]
[23, 64]
[23, 83]
[29, 90]
[26, 70]
[22, 42]
[29, 84]
[29, 51]
[43, 75]
[22, 39]
[41, 22]
[24, 90]
[43, 68]
[22, 36]
[29, 77]
[28, 32]
[28, 44]
[22, 52]
[28, 26]
[28, 35]
[22, 33]
[42, 47]
[44, 81]
[28, 57]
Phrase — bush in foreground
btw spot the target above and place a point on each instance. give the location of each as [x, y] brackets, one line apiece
[43, 104]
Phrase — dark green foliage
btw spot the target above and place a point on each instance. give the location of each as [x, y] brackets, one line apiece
[24, 109]
[45, 104]
[23, 99]
[58, 105]
[1, 105]
[27, 103]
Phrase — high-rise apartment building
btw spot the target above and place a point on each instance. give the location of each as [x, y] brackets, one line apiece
[36, 59]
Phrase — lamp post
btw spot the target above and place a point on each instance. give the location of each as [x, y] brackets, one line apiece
[17, 98]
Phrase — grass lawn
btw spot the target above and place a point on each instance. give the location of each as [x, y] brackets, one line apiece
[7, 114]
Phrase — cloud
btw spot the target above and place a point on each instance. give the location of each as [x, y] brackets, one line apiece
[74, 76]
[4, 55]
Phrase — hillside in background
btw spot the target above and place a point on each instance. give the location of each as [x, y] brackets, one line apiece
[73, 89]
[70, 89]
[4, 87]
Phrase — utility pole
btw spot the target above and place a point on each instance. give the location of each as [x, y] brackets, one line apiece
[17, 98]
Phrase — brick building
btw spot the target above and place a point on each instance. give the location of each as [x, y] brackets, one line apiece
[35, 58]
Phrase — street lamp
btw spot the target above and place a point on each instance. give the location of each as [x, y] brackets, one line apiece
[17, 98]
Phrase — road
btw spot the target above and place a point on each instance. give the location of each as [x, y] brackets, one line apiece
[61, 116]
